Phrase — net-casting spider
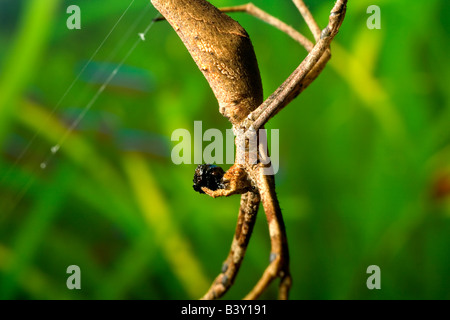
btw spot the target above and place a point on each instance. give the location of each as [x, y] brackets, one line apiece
[223, 51]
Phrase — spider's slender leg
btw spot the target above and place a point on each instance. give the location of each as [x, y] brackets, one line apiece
[314, 70]
[279, 257]
[308, 70]
[253, 10]
[294, 84]
[246, 221]
[309, 19]
[235, 181]
[302, 76]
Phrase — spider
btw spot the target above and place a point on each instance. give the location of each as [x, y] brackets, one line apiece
[223, 52]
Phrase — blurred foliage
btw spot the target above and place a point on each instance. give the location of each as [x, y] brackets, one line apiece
[365, 156]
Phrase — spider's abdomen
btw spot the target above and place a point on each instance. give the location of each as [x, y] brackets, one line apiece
[223, 52]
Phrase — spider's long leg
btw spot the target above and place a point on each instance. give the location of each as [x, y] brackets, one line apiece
[279, 257]
[294, 84]
[246, 221]
[309, 19]
[253, 10]
[312, 73]
[300, 83]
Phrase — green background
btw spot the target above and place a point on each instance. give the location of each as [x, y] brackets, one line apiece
[364, 173]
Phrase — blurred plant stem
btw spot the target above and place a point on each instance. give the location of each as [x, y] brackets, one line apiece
[23, 56]
[159, 219]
